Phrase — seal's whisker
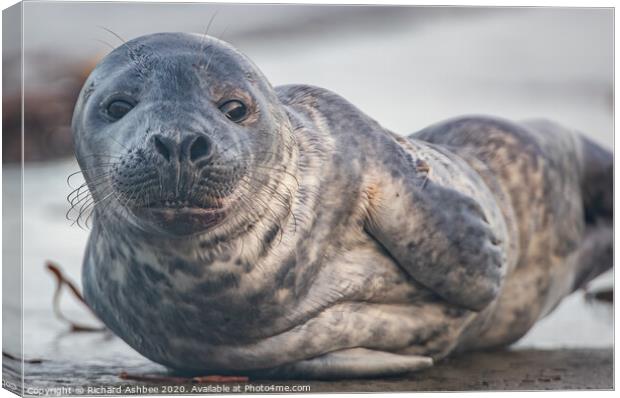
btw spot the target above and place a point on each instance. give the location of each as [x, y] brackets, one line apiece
[95, 178]
[209, 62]
[88, 203]
[81, 172]
[84, 187]
[272, 190]
[134, 54]
[78, 198]
[283, 170]
[280, 170]
[256, 198]
[214, 53]
[233, 144]
[224, 31]
[283, 202]
[245, 204]
[112, 33]
[102, 211]
[119, 143]
[124, 199]
[105, 43]
[227, 148]
[79, 213]
[101, 173]
[95, 204]
[206, 32]
[101, 155]
[288, 203]
[84, 205]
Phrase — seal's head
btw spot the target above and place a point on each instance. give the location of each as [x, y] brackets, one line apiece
[175, 131]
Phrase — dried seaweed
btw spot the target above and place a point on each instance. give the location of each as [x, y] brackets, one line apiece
[62, 280]
[14, 358]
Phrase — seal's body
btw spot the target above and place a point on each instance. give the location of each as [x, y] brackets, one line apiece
[244, 229]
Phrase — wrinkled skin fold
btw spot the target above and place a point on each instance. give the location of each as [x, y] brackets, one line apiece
[239, 228]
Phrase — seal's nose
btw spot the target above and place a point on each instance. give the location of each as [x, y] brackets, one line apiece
[193, 147]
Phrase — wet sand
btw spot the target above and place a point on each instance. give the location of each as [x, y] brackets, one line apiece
[515, 370]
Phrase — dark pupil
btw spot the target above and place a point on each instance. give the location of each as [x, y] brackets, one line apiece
[234, 110]
[118, 109]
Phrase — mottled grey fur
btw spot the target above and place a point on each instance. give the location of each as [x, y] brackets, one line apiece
[339, 249]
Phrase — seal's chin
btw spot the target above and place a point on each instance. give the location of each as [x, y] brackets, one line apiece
[181, 221]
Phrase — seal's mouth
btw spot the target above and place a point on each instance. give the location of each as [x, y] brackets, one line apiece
[181, 217]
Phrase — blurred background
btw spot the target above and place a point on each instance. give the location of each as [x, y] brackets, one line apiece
[406, 67]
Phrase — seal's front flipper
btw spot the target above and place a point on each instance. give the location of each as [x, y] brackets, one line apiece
[444, 227]
[351, 363]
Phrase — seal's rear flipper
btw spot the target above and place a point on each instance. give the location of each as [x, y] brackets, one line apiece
[597, 186]
[597, 182]
[351, 363]
[595, 256]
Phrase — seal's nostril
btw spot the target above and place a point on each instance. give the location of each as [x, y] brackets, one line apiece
[161, 148]
[200, 148]
[191, 149]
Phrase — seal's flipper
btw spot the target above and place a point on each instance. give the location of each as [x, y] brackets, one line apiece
[595, 256]
[597, 182]
[597, 188]
[353, 362]
[444, 228]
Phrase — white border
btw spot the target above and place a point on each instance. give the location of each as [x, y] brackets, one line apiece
[483, 3]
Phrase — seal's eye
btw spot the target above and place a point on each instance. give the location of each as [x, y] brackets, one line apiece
[118, 108]
[235, 110]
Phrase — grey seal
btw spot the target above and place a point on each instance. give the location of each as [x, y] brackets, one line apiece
[244, 229]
